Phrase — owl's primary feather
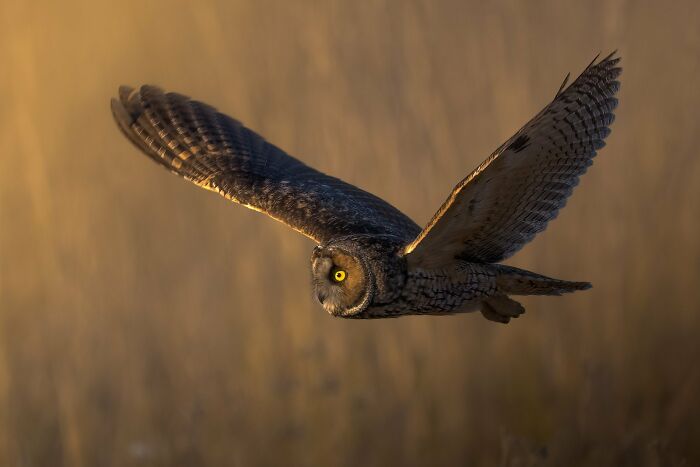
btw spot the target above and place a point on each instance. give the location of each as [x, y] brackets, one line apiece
[514, 193]
[218, 153]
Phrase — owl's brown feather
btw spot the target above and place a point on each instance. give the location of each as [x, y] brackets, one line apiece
[515, 192]
[218, 153]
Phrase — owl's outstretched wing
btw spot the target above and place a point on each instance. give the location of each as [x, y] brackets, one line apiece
[522, 186]
[218, 153]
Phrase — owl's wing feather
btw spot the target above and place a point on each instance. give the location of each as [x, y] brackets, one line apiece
[515, 192]
[218, 153]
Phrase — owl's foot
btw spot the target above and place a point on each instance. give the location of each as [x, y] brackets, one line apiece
[501, 309]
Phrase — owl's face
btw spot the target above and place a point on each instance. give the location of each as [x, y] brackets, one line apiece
[342, 282]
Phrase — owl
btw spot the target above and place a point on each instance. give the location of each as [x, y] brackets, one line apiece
[371, 260]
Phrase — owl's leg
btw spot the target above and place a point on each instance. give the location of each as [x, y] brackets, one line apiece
[501, 309]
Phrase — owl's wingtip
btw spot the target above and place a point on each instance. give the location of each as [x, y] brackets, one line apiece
[125, 92]
[613, 57]
[121, 116]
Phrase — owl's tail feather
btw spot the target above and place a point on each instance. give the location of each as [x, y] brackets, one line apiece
[514, 281]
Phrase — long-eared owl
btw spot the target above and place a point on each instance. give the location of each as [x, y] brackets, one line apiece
[372, 261]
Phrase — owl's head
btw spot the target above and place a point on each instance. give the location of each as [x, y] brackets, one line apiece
[353, 273]
[342, 281]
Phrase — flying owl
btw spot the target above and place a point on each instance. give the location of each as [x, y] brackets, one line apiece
[371, 260]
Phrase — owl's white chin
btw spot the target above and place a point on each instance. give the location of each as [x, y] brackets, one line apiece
[335, 308]
[331, 309]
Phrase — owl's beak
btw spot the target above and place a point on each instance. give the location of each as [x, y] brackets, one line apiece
[320, 297]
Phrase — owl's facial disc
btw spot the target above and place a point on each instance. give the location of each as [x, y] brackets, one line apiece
[341, 282]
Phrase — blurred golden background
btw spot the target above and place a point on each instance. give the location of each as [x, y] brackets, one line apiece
[144, 321]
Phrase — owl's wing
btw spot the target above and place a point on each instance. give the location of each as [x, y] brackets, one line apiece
[522, 186]
[219, 154]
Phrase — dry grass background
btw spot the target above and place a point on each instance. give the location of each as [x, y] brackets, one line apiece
[144, 321]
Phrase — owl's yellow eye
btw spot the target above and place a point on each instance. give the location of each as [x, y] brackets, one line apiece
[339, 275]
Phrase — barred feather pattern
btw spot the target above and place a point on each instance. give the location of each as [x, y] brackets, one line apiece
[218, 153]
[521, 187]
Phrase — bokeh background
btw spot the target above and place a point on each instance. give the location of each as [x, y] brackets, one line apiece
[144, 321]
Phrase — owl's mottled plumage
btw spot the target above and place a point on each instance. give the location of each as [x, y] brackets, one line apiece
[390, 267]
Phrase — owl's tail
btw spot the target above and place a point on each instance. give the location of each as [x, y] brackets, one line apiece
[514, 281]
